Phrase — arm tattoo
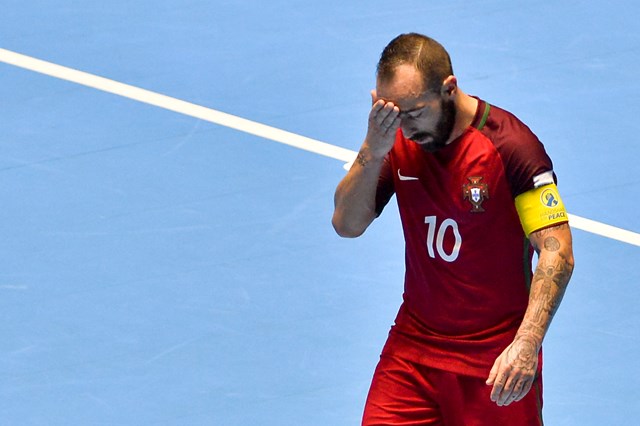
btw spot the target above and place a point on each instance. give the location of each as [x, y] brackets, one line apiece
[549, 283]
[551, 244]
[550, 240]
[361, 160]
[548, 286]
[523, 354]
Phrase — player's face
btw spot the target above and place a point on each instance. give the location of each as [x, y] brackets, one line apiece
[427, 118]
[430, 127]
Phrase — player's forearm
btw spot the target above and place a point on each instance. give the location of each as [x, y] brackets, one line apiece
[355, 196]
[550, 280]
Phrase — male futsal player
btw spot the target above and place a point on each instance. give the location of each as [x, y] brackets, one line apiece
[477, 195]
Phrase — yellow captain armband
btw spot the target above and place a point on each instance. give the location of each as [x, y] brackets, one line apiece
[540, 208]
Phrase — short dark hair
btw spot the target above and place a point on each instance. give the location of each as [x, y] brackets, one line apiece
[427, 55]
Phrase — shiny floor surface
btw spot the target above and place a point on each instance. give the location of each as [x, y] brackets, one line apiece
[165, 268]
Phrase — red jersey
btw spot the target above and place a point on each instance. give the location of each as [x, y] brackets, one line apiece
[468, 261]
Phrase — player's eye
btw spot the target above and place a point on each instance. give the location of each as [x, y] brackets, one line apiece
[415, 114]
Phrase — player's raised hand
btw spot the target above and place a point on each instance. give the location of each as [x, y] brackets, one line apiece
[384, 121]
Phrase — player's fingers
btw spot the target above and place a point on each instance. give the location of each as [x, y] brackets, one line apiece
[396, 123]
[379, 111]
[376, 114]
[494, 372]
[376, 107]
[383, 113]
[510, 391]
[526, 387]
[385, 116]
[498, 385]
[391, 117]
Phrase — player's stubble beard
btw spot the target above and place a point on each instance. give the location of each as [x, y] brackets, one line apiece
[433, 141]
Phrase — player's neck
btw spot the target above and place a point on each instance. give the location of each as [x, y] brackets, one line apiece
[466, 107]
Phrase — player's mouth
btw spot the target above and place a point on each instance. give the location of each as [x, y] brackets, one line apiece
[422, 138]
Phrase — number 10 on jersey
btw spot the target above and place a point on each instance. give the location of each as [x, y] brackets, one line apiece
[435, 238]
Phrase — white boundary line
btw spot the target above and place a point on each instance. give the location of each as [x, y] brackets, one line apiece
[604, 230]
[176, 105]
[247, 126]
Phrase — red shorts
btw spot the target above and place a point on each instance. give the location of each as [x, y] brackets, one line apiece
[403, 393]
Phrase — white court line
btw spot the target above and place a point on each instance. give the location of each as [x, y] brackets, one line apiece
[604, 230]
[244, 125]
[176, 105]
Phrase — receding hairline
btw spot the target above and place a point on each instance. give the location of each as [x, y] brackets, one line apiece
[425, 54]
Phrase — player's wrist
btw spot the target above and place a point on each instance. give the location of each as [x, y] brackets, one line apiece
[372, 152]
[532, 336]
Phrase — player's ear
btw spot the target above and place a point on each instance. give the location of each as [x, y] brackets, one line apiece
[449, 87]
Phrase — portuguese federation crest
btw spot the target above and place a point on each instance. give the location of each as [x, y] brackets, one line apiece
[476, 192]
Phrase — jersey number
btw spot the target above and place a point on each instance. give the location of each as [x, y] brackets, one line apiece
[438, 238]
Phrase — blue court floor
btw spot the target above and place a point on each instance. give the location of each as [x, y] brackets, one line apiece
[164, 269]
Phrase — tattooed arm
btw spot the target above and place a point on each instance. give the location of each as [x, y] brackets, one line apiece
[514, 371]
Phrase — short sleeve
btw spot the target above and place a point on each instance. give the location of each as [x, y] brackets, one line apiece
[524, 157]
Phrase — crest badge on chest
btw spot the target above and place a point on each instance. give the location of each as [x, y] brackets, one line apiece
[476, 192]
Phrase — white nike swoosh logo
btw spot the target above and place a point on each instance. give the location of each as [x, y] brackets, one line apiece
[401, 177]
